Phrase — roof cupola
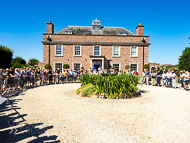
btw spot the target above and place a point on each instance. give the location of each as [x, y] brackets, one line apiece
[96, 24]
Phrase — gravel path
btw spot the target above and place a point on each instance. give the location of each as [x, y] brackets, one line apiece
[56, 113]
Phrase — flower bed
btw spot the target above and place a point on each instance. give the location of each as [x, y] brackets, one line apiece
[113, 87]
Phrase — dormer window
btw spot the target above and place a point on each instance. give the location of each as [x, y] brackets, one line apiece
[123, 33]
[96, 24]
[69, 32]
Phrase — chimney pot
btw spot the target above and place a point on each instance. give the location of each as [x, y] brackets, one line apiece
[49, 21]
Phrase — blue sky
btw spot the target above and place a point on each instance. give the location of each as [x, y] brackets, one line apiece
[166, 22]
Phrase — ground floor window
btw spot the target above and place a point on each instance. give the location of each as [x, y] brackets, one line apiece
[59, 65]
[135, 67]
[76, 66]
[116, 67]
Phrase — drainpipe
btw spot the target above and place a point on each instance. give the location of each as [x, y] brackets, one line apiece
[49, 39]
[143, 40]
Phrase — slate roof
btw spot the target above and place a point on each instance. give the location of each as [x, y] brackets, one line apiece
[87, 30]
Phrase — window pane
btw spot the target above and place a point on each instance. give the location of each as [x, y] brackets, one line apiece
[133, 51]
[76, 66]
[134, 66]
[116, 51]
[58, 65]
[116, 67]
[77, 50]
[58, 50]
[96, 50]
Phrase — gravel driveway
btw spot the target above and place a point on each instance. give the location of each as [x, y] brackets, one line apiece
[56, 114]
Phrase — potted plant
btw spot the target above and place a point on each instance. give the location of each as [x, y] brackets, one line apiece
[66, 66]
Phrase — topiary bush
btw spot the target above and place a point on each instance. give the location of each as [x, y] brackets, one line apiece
[66, 66]
[47, 66]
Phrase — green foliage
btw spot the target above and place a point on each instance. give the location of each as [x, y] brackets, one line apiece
[146, 66]
[37, 68]
[5, 56]
[117, 86]
[19, 60]
[184, 60]
[32, 62]
[47, 66]
[17, 65]
[127, 67]
[66, 66]
[86, 90]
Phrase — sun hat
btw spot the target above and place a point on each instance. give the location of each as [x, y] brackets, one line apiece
[181, 71]
[1, 69]
[172, 71]
[7, 69]
[186, 72]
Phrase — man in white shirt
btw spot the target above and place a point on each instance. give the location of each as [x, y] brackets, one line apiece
[174, 79]
[169, 78]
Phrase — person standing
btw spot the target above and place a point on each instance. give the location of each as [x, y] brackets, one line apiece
[174, 76]
[164, 78]
[159, 76]
[169, 78]
[182, 79]
[147, 77]
[153, 74]
[186, 80]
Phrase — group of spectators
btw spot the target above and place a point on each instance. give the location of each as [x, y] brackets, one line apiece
[10, 78]
[167, 79]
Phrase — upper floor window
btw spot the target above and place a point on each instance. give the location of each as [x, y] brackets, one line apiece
[134, 51]
[77, 50]
[96, 50]
[58, 50]
[116, 51]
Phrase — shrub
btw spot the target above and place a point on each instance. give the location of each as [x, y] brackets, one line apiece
[112, 86]
[47, 66]
[146, 66]
[66, 66]
[86, 90]
[127, 67]
[17, 65]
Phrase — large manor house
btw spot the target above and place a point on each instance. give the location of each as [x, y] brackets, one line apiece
[92, 46]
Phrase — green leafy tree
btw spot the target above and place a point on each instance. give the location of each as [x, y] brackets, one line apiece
[66, 66]
[184, 60]
[33, 62]
[146, 66]
[6, 55]
[47, 66]
[19, 60]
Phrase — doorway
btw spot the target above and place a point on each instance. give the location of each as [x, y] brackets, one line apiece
[96, 64]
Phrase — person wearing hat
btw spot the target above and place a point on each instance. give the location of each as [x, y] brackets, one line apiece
[186, 80]
[174, 77]
[169, 78]
[182, 79]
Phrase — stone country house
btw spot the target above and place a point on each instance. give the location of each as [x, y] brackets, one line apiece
[92, 46]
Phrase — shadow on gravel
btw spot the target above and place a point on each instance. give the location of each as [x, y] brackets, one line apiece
[14, 128]
[144, 91]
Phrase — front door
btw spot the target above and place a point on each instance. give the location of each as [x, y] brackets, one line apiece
[96, 64]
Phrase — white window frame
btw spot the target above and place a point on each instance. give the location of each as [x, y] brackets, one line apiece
[74, 50]
[137, 66]
[136, 52]
[58, 63]
[99, 50]
[76, 63]
[119, 65]
[61, 50]
[113, 51]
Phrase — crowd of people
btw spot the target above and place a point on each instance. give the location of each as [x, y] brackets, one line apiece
[10, 78]
[30, 77]
[166, 79]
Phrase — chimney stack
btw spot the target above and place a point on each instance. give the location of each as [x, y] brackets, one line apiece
[50, 28]
[140, 30]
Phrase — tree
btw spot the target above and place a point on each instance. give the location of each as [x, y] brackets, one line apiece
[146, 66]
[184, 60]
[6, 55]
[66, 66]
[19, 60]
[47, 66]
[33, 62]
